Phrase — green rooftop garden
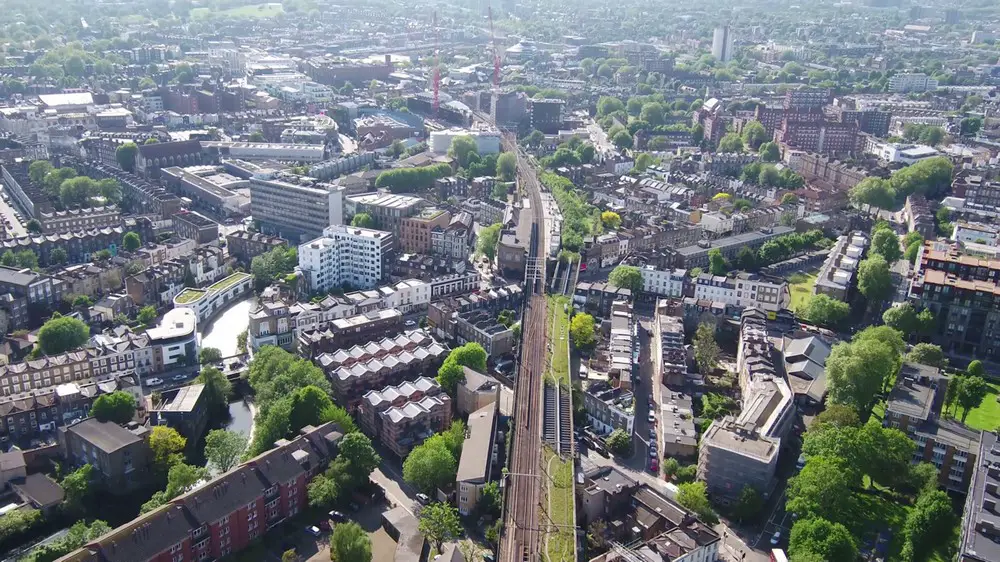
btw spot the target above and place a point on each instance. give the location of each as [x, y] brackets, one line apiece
[228, 282]
[188, 296]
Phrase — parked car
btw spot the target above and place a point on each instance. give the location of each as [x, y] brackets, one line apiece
[654, 464]
[155, 381]
[337, 516]
[409, 323]
[178, 378]
[314, 530]
[776, 538]
[651, 418]
[652, 452]
[652, 433]
[422, 498]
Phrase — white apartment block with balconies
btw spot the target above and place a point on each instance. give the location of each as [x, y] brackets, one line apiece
[346, 255]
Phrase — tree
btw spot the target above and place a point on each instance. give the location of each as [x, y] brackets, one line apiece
[350, 543]
[839, 415]
[611, 220]
[507, 166]
[534, 138]
[749, 503]
[77, 485]
[706, 351]
[823, 489]
[874, 279]
[166, 445]
[970, 393]
[289, 556]
[308, 405]
[789, 199]
[257, 136]
[490, 500]
[439, 522]
[627, 277]
[131, 241]
[181, 478]
[18, 521]
[363, 220]
[430, 466]
[975, 368]
[607, 105]
[62, 333]
[856, 372]
[209, 355]
[271, 265]
[886, 243]
[926, 322]
[58, 256]
[486, 242]
[824, 310]
[622, 140]
[586, 153]
[652, 113]
[217, 387]
[82, 301]
[620, 442]
[831, 542]
[147, 314]
[769, 152]
[462, 148]
[581, 330]
[930, 519]
[873, 192]
[902, 318]
[37, 171]
[717, 264]
[754, 134]
[223, 448]
[361, 457]
[969, 126]
[731, 143]
[694, 496]
[117, 407]
[125, 155]
[746, 259]
[35, 227]
[927, 354]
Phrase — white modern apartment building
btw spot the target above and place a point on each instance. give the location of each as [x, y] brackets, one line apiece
[487, 140]
[744, 290]
[912, 82]
[664, 283]
[282, 152]
[898, 152]
[347, 255]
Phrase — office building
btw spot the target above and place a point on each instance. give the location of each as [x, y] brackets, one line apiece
[742, 450]
[346, 256]
[722, 44]
[295, 208]
[480, 458]
[546, 114]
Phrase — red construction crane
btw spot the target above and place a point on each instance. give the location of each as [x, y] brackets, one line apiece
[496, 52]
[437, 66]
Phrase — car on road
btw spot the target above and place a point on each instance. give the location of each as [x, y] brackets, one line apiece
[776, 538]
[409, 323]
[652, 451]
[178, 378]
[422, 498]
[654, 464]
[651, 418]
[314, 530]
[337, 516]
[652, 433]
[155, 381]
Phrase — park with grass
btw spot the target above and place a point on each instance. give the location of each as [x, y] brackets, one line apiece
[800, 285]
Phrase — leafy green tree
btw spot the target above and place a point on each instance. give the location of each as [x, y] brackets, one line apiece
[824, 310]
[769, 152]
[874, 278]
[622, 140]
[839, 415]
[670, 467]
[117, 407]
[35, 227]
[831, 542]
[125, 155]
[147, 315]
[717, 264]
[430, 466]
[706, 350]
[223, 448]
[607, 105]
[823, 488]
[902, 317]
[694, 496]
[970, 393]
[360, 457]
[18, 521]
[490, 500]
[581, 330]
[272, 265]
[62, 333]
[927, 354]
[58, 256]
[166, 445]
[308, 405]
[620, 442]
[856, 372]
[749, 503]
[209, 355]
[969, 126]
[350, 543]
[82, 301]
[754, 134]
[182, 477]
[399, 180]
[217, 387]
[627, 277]
[975, 368]
[37, 171]
[611, 220]
[731, 143]
[470, 355]
[486, 242]
[534, 138]
[507, 166]
[886, 243]
[439, 522]
[78, 487]
[586, 153]
[652, 113]
[931, 518]
[363, 220]
[131, 241]
[873, 192]
[462, 148]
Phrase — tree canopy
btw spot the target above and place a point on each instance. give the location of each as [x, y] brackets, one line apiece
[62, 333]
[627, 277]
[117, 407]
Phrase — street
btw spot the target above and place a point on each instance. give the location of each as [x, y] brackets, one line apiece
[12, 225]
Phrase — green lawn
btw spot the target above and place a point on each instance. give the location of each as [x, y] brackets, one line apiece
[559, 309]
[987, 415]
[251, 11]
[801, 286]
[560, 545]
